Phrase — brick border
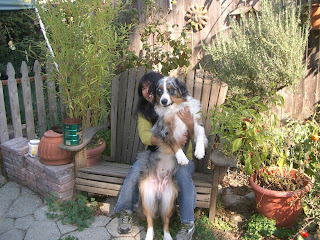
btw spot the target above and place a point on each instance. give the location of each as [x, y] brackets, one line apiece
[30, 172]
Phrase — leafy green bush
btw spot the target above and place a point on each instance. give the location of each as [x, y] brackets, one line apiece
[248, 132]
[258, 226]
[263, 53]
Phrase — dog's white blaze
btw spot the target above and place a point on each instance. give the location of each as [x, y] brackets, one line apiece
[150, 234]
[165, 94]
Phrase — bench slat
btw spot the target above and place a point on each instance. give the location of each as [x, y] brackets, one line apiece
[104, 185]
[97, 190]
[100, 178]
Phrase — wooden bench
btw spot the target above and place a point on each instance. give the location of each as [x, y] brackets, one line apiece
[106, 178]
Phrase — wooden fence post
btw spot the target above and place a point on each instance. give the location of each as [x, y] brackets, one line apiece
[4, 135]
[27, 101]
[14, 101]
[40, 98]
[51, 90]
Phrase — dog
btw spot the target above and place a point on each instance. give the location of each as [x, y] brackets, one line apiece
[157, 187]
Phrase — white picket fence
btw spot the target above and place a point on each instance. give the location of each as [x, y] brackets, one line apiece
[42, 116]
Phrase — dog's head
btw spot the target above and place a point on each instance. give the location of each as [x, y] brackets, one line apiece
[168, 91]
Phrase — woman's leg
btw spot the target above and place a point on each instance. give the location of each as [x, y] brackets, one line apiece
[129, 192]
[187, 195]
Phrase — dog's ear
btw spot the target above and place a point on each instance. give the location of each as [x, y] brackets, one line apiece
[183, 91]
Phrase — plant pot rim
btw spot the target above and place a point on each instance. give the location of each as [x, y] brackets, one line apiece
[280, 194]
[52, 134]
[99, 148]
[72, 121]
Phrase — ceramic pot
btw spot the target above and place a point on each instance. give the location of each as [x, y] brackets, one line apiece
[282, 206]
[94, 154]
[49, 151]
[315, 16]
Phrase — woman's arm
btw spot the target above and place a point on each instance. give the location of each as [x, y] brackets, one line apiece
[144, 127]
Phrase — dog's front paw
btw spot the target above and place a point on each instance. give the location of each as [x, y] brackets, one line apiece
[200, 151]
[181, 157]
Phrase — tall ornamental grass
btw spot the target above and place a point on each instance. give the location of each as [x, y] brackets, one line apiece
[87, 40]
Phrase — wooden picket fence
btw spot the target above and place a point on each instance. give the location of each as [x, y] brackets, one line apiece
[40, 110]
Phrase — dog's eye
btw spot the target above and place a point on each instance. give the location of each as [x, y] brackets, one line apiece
[172, 91]
[160, 91]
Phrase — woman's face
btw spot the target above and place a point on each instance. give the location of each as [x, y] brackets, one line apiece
[145, 94]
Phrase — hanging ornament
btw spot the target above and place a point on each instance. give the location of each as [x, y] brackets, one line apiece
[11, 45]
[197, 17]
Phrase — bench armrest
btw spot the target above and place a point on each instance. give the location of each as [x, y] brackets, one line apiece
[87, 135]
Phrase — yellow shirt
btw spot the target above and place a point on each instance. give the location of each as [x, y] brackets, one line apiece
[144, 127]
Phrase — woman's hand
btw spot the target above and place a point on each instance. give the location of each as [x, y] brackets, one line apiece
[183, 141]
[186, 117]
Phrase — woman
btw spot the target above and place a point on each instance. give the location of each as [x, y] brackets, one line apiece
[129, 193]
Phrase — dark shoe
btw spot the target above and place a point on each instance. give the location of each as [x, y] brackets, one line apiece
[186, 232]
[125, 223]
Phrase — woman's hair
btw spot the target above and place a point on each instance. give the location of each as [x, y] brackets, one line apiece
[144, 107]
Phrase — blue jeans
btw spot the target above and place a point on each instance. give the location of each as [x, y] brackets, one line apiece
[129, 192]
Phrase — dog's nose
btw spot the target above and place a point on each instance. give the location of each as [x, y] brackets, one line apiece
[164, 101]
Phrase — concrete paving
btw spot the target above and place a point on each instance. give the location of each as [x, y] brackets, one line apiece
[23, 217]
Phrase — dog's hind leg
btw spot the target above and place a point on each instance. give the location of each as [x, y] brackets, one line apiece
[167, 207]
[148, 194]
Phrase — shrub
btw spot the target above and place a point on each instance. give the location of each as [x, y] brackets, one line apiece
[261, 54]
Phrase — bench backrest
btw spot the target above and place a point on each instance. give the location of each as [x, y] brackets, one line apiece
[125, 142]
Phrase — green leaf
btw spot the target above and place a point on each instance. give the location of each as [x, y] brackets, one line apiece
[236, 144]
[248, 166]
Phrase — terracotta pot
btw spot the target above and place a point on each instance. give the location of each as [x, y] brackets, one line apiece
[315, 16]
[57, 129]
[94, 154]
[284, 207]
[49, 151]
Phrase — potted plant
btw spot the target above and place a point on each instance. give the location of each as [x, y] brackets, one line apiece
[273, 156]
[258, 56]
[87, 39]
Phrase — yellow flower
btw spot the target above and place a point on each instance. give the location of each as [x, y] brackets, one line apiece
[27, 1]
